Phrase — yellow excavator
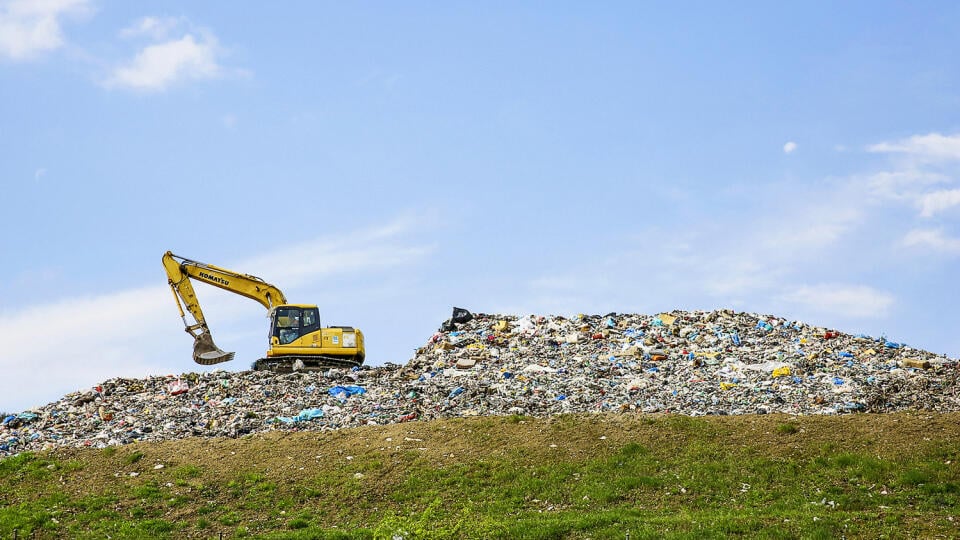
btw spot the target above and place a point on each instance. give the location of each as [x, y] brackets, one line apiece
[297, 341]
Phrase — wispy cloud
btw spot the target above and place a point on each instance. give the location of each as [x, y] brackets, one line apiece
[158, 66]
[930, 147]
[779, 258]
[921, 178]
[367, 250]
[938, 201]
[55, 348]
[31, 27]
[933, 239]
[176, 50]
[841, 300]
[80, 341]
[157, 28]
[789, 147]
[903, 184]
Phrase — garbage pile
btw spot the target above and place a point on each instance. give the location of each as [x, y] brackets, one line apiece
[692, 363]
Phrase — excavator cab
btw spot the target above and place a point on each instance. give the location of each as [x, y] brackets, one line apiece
[296, 338]
[291, 322]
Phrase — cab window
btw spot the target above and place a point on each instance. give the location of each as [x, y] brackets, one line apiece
[287, 324]
[311, 321]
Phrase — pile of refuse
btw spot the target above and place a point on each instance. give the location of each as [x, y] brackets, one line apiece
[692, 363]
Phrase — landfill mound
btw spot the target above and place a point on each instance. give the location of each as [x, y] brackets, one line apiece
[692, 363]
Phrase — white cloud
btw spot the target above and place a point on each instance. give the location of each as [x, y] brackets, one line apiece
[933, 239]
[927, 163]
[157, 28]
[31, 27]
[789, 147]
[938, 201]
[95, 338]
[838, 300]
[903, 184]
[161, 65]
[370, 249]
[817, 220]
[771, 259]
[930, 147]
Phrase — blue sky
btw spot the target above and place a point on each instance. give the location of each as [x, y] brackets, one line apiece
[388, 161]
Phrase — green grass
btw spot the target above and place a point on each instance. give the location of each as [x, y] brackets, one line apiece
[133, 457]
[676, 477]
[787, 429]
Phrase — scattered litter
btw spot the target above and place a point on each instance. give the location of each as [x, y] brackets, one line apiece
[693, 363]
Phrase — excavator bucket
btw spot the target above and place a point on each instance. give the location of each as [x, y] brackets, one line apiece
[206, 353]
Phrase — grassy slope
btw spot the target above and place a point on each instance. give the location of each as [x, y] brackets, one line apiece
[598, 476]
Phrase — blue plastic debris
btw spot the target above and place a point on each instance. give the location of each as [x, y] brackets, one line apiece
[343, 392]
[304, 416]
[349, 390]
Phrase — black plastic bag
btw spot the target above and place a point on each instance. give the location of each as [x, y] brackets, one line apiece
[461, 316]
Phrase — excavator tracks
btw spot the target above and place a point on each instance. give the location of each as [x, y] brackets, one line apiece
[289, 364]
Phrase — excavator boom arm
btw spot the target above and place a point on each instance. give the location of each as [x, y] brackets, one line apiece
[180, 272]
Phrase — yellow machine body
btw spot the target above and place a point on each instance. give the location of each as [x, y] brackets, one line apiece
[297, 339]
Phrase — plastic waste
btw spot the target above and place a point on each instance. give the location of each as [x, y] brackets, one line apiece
[693, 363]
